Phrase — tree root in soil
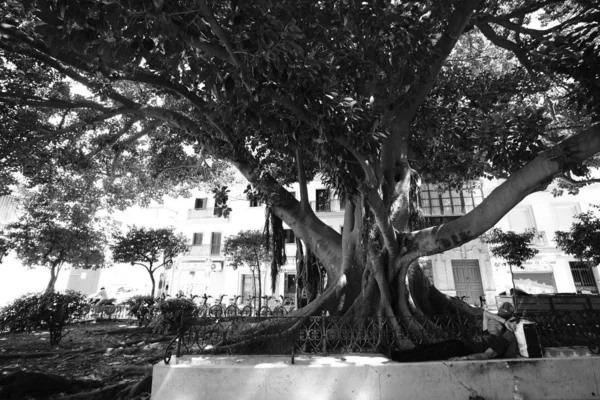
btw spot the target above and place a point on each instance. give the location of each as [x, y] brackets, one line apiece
[19, 385]
[22, 383]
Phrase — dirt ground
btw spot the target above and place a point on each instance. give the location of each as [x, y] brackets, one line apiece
[112, 352]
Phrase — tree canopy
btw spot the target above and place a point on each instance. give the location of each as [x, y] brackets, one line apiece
[148, 247]
[51, 232]
[583, 239]
[375, 96]
[249, 248]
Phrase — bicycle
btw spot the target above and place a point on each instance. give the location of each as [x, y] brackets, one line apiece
[232, 309]
[203, 307]
[217, 310]
[280, 309]
[265, 311]
[247, 310]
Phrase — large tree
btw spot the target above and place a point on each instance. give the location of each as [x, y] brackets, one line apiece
[376, 96]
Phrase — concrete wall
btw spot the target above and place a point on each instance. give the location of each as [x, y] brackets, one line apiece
[372, 377]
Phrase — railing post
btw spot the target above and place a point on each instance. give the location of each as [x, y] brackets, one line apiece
[180, 334]
[323, 334]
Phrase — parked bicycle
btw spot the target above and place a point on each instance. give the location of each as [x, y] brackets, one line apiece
[232, 309]
[217, 310]
[203, 306]
[247, 310]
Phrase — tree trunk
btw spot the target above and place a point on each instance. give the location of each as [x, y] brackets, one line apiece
[372, 269]
[259, 289]
[153, 282]
[54, 270]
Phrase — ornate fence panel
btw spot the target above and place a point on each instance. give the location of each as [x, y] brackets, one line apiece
[322, 335]
[560, 329]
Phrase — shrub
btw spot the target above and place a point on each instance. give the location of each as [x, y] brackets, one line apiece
[50, 311]
[19, 316]
[169, 312]
[142, 308]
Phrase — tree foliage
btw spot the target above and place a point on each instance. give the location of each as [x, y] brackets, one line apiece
[513, 247]
[583, 239]
[52, 231]
[249, 248]
[151, 248]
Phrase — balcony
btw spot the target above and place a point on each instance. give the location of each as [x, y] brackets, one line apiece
[333, 205]
[202, 213]
[204, 250]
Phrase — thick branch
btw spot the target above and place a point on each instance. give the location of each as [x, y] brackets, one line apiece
[302, 181]
[499, 41]
[458, 21]
[533, 177]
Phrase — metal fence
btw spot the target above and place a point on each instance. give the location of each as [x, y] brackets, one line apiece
[324, 334]
[109, 312]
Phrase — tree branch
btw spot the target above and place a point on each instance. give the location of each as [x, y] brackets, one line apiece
[370, 173]
[499, 41]
[302, 181]
[458, 21]
[218, 30]
[520, 12]
[128, 125]
[531, 178]
[40, 52]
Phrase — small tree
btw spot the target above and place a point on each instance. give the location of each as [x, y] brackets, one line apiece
[150, 248]
[583, 239]
[513, 247]
[249, 248]
[51, 232]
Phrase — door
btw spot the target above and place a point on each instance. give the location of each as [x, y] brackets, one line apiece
[467, 280]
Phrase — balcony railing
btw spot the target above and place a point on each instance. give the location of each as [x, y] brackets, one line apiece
[202, 213]
[204, 250]
[333, 205]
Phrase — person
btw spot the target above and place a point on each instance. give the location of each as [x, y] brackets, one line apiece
[101, 297]
[495, 344]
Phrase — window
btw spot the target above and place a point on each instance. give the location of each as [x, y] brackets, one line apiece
[197, 239]
[520, 219]
[322, 200]
[200, 204]
[564, 215]
[215, 244]
[255, 201]
[583, 277]
[451, 202]
[289, 236]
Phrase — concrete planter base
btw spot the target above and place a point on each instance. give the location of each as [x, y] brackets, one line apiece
[371, 376]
